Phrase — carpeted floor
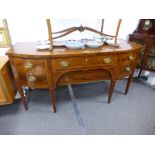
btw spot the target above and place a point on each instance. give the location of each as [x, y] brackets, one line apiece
[129, 115]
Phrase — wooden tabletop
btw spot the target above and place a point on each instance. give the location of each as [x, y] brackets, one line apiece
[28, 49]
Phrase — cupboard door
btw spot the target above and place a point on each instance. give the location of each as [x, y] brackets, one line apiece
[7, 83]
[143, 51]
[151, 59]
[2, 97]
[150, 63]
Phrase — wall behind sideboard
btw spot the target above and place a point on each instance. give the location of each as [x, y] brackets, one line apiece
[35, 29]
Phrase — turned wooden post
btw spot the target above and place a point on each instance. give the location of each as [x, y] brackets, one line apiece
[50, 33]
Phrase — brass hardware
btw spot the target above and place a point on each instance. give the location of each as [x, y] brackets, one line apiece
[3, 72]
[28, 65]
[128, 69]
[131, 58]
[64, 63]
[147, 25]
[32, 78]
[107, 60]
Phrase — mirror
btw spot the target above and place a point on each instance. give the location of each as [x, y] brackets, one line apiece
[81, 28]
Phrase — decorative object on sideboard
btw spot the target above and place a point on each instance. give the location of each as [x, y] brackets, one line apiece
[81, 28]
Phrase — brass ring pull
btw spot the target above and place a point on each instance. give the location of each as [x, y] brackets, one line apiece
[128, 69]
[32, 78]
[64, 63]
[131, 58]
[107, 60]
[28, 65]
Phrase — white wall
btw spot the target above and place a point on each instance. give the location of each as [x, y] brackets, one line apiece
[35, 29]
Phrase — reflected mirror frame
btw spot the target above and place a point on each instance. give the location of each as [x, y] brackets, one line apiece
[4, 31]
[4, 42]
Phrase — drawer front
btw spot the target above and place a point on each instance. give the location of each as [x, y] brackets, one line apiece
[124, 71]
[32, 72]
[127, 59]
[101, 60]
[68, 63]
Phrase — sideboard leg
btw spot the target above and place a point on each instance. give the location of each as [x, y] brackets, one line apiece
[128, 84]
[111, 90]
[23, 100]
[53, 96]
[140, 72]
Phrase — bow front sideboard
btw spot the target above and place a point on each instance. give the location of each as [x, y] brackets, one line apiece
[45, 69]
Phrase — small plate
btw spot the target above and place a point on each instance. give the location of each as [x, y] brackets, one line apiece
[42, 47]
[94, 44]
[58, 43]
[74, 44]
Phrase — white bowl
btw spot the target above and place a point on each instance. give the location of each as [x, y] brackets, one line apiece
[58, 43]
[73, 44]
[42, 47]
[94, 44]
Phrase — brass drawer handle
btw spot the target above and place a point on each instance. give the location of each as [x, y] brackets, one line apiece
[28, 65]
[107, 60]
[131, 58]
[32, 78]
[128, 69]
[64, 63]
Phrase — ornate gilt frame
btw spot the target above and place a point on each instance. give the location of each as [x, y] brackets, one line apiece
[4, 31]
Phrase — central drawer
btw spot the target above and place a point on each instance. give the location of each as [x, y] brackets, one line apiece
[68, 63]
[32, 72]
[90, 61]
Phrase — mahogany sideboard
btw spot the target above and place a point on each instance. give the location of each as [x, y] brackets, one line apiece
[49, 69]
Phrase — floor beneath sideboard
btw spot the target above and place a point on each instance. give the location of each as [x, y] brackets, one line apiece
[133, 114]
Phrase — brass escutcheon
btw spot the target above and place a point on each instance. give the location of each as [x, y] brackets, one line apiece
[107, 60]
[32, 78]
[28, 65]
[128, 69]
[130, 57]
[64, 63]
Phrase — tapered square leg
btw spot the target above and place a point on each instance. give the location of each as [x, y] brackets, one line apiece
[23, 100]
[53, 96]
[128, 84]
[111, 90]
[140, 72]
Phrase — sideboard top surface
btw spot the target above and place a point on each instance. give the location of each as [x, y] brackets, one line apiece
[28, 49]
